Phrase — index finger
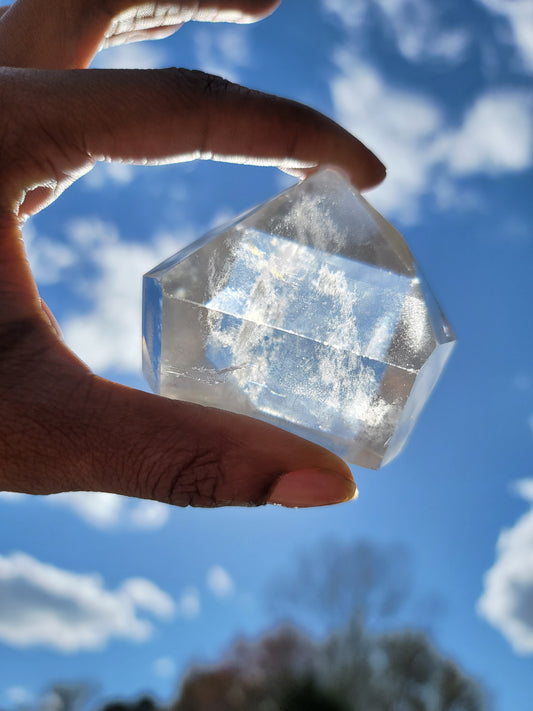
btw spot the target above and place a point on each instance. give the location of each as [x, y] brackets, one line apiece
[151, 116]
[172, 115]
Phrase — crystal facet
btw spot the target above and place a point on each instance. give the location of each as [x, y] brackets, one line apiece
[308, 312]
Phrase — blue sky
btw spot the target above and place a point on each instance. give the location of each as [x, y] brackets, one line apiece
[127, 593]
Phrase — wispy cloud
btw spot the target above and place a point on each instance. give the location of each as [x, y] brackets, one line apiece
[138, 55]
[149, 514]
[164, 667]
[101, 510]
[400, 126]
[110, 173]
[219, 582]
[104, 511]
[189, 604]
[67, 611]
[352, 14]
[108, 335]
[507, 597]
[107, 511]
[425, 154]
[11, 496]
[145, 595]
[496, 135]
[518, 14]
[19, 696]
[108, 275]
[415, 27]
[222, 50]
[49, 258]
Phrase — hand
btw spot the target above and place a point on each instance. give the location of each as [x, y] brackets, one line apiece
[61, 427]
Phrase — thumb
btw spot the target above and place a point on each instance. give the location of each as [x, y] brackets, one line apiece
[180, 453]
[64, 429]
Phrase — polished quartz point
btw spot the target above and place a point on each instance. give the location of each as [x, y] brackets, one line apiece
[309, 312]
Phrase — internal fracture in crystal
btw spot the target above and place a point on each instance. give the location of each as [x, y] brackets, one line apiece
[310, 313]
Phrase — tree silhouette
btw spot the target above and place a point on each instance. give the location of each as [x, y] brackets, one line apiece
[66, 697]
[307, 694]
[352, 670]
[142, 704]
[355, 667]
[336, 580]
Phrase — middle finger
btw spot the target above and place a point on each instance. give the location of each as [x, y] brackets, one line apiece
[66, 34]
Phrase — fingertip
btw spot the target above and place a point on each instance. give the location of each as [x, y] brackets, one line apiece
[255, 10]
[242, 12]
[312, 487]
[376, 175]
[365, 169]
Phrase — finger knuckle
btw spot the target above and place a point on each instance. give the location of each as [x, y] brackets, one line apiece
[175, 467]
[202, 85]
[199, 480]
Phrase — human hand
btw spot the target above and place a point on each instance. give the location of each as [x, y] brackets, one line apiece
[61, 427]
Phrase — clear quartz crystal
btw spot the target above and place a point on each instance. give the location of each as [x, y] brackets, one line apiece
[309, 312]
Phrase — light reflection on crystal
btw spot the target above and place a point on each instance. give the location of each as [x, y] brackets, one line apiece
[309, 313]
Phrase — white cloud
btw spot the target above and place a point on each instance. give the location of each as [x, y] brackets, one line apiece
[423, 153]
[139, 55]
[507, 599]
[418, 31]
[106, 511]
[400, 126]
[519, 16]
[189, 604]
[164, 667]
[149, 514]
[48, 258]
[220, 582]
[108, 335]
[352, 14]
[69, 612]
[524, 488]
[415, 27]
[102, 510]
[146, 595]
[11, 496]
[110, 173]
[496, 136]
[222, 50]
[99, 509]
[19, 696]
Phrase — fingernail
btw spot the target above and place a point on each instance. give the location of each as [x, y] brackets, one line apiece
[312, 487]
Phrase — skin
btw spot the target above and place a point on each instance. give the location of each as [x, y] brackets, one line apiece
[62, 428]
